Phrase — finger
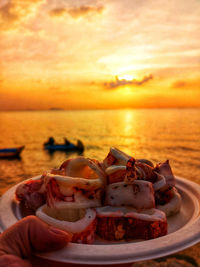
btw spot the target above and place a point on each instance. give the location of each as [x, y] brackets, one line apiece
[31, 234]
[13, 261]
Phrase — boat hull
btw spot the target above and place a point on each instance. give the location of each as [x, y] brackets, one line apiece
[70, 147]
[11, 152]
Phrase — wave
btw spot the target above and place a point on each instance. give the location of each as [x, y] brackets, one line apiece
[184, 148]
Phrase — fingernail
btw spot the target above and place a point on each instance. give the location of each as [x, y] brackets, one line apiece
[60, 232]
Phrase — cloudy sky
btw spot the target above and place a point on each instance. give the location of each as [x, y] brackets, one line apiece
[99, 54]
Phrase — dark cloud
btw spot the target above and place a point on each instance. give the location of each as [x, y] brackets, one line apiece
[8, 18]
[58, 12]
[118, 83]
[76, 12]
[15, 11]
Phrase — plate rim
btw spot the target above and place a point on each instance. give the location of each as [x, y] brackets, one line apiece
[187, 236]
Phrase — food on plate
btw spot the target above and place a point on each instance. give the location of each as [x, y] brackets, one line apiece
[117, 223]
[115, 157]
[32, 193]
[121, 167]
[115, 173]
[86, 192]
[78, 221]
[119, 198]
[69, 184]
[173, 205]
[165, 170]
[123, 194]
[81, 167]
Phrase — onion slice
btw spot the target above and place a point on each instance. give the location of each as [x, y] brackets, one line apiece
[83, 168]
[80, 222]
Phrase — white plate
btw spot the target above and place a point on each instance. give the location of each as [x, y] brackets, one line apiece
[184, 231]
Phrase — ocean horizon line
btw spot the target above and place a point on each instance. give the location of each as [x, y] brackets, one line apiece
[93, 109]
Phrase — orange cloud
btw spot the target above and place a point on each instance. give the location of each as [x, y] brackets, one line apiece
[118, 83]
[189, 84]
[58, 12]
[15, 11]
[76, 12]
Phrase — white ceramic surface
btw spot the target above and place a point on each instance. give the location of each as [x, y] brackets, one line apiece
[184, 231]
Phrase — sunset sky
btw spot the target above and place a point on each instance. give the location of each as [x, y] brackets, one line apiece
[83, 54]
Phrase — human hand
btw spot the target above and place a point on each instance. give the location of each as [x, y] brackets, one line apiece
[29, 235]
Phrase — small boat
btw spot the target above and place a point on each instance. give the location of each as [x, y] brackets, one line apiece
[65, 147]
[11, 152]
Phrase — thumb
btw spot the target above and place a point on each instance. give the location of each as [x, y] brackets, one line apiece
[31, 234]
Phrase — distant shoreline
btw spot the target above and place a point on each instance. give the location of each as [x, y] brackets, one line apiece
[92, 109]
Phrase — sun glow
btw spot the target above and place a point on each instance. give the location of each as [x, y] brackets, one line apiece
[127, 91]
[126, 77]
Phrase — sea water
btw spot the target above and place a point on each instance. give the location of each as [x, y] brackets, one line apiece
[154, 134]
